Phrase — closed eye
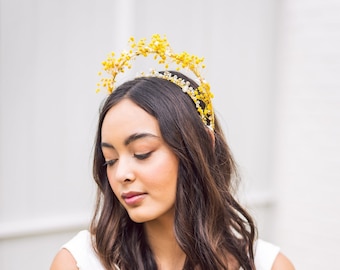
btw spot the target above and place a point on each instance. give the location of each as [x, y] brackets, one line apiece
[110, 163]
[142, 156]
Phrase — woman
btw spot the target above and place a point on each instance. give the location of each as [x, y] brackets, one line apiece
[166, 181]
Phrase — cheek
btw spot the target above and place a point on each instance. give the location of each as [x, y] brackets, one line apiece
[112, 182]
[164, 173]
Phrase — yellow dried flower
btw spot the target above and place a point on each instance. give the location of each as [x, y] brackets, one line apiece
[162, 52]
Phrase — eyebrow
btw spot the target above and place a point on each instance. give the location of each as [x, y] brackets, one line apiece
[131, 138]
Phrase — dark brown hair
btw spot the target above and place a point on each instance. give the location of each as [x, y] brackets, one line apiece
[210, 226]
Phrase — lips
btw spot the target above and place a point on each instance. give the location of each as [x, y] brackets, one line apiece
[133, 198]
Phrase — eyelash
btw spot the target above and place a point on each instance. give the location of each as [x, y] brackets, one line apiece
[111, 162]
[142, 156]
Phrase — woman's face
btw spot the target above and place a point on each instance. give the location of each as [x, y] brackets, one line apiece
[141, 167]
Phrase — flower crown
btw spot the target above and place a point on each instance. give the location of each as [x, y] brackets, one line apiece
[162, 52]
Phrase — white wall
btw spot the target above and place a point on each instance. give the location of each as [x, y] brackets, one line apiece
[307, 144]
[50, 53]
[272, 65]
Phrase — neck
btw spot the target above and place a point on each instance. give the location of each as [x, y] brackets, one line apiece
[162, 241]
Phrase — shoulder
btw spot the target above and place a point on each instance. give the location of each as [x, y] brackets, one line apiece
[282, 263]
[77, 253]
[269, 257]
[64, 261]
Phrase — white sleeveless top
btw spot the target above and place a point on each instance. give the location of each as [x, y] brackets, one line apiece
[81, 249]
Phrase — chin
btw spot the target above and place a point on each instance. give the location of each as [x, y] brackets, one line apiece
[140, 218]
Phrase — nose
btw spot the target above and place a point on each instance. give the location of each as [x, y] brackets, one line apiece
[124, 170]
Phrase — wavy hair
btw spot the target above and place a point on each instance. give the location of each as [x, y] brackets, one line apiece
[210, 226]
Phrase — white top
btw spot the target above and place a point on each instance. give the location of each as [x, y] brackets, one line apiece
[81, 249]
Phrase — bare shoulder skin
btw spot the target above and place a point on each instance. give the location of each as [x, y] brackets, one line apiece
[282, 263]
[64, 261]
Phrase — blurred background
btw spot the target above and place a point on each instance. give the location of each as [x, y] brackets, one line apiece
[274, 67]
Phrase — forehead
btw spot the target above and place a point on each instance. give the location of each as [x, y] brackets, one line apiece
[127, 118]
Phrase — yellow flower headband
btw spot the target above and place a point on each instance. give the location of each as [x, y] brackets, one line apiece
[162, 52]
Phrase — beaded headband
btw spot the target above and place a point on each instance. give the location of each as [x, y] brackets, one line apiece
[162, 52]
